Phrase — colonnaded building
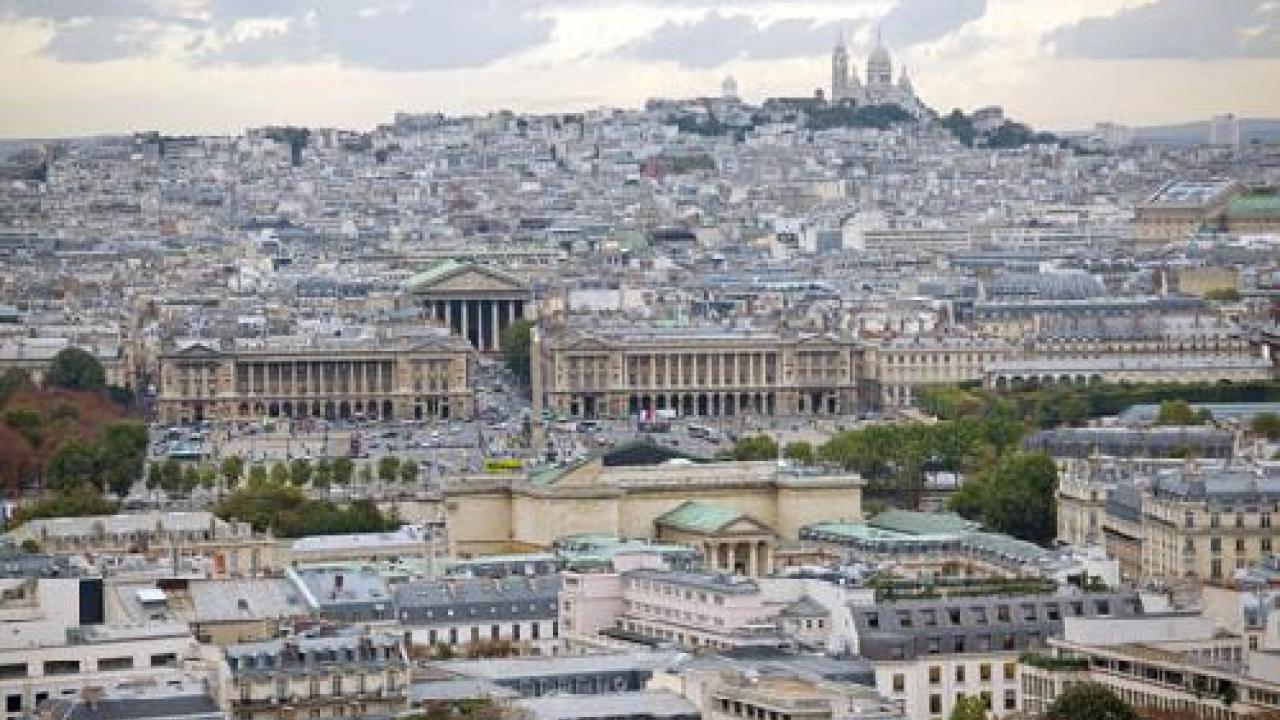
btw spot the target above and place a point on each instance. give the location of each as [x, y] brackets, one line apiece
[694, 371]
[422, 375]
[476, 302]
[734, 513]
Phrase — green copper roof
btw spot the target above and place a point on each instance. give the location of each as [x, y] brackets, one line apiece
[699, 517]
[919, 523]
[444, 268]
[1254, 205]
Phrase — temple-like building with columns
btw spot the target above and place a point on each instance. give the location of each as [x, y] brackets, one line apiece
[420, 376]
[733, 513]
[693, 371]
[476, 302]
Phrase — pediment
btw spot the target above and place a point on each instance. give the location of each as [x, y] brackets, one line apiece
[472, 279]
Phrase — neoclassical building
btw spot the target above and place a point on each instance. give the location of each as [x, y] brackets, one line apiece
[476, 302]
[739, 508]
[694, 371]
[422, 376]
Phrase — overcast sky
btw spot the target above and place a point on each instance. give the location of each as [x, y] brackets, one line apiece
[90, 66]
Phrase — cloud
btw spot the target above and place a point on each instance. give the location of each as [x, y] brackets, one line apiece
[716, 39]
[1177, 29]
[410, 35]
[910, 22]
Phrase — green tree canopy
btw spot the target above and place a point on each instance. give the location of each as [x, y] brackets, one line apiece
[1017, 497]
[342, 470]
[75, 369]
[1180, 412]
[279, 473]
[799, 451]
[755, 447]
[969, 707]
[73, 463]
[388, 468]
[77, 501]
[1089, 701]
[232, 470]
[409, 471]
[1266, 425]
[287, 512]
[300, 471]
[122, 452]
[516, 348]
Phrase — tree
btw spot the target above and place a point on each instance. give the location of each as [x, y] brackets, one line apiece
[366, 473]
[300, 471]
[1180, 412]
[1017, 497]
[342, 470]
[190, 479]
[1266, 425]
[122, 452]
[232, 469]
[171, 476]
[755, 447]
[388, 468]
[77, 501]
[286, 511]
[322, 475]
[73, 463]
[1089, 701]
[969, 707]
[799, 451]
[409, 471]
[11, 381]
[258, 474]
[155, 473]
[279, 473]
[208, 477]
[516, 348]
[75, 369]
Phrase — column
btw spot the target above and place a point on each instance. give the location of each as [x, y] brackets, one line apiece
[493, 331]
[753, 566]
[466, 320]
[511, 311]
[737, 369]
[733, 557]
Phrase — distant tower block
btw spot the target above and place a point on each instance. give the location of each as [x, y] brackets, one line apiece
[729, 88]
[1224, 130]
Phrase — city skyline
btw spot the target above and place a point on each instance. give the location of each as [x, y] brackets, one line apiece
[218, 66]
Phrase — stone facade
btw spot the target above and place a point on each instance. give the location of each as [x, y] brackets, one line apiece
[486, 513]
[400, 379]
[693, 372]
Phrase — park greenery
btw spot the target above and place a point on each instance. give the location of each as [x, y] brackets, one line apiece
[287, 511]
[67, 433]
[177, 477]
[969, 707]
[1180, 413]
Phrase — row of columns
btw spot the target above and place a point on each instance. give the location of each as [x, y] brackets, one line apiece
[315, 378]
[706, 404]
[481, 322]
[750, 557]
[702, 369]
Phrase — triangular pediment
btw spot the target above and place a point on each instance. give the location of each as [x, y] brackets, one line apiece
[745, 526]
[588, 342]
[458, 277]
[198, 350]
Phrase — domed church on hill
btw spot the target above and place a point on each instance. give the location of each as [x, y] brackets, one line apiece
[879, 88]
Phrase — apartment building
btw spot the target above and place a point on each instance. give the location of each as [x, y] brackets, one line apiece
[519, 613]
[1176, 664]
[53, 643]
[233, 548]
[929, 653]
[649, 606]
[328, 676]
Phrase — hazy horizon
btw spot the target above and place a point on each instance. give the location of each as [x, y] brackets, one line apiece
[76, 68]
